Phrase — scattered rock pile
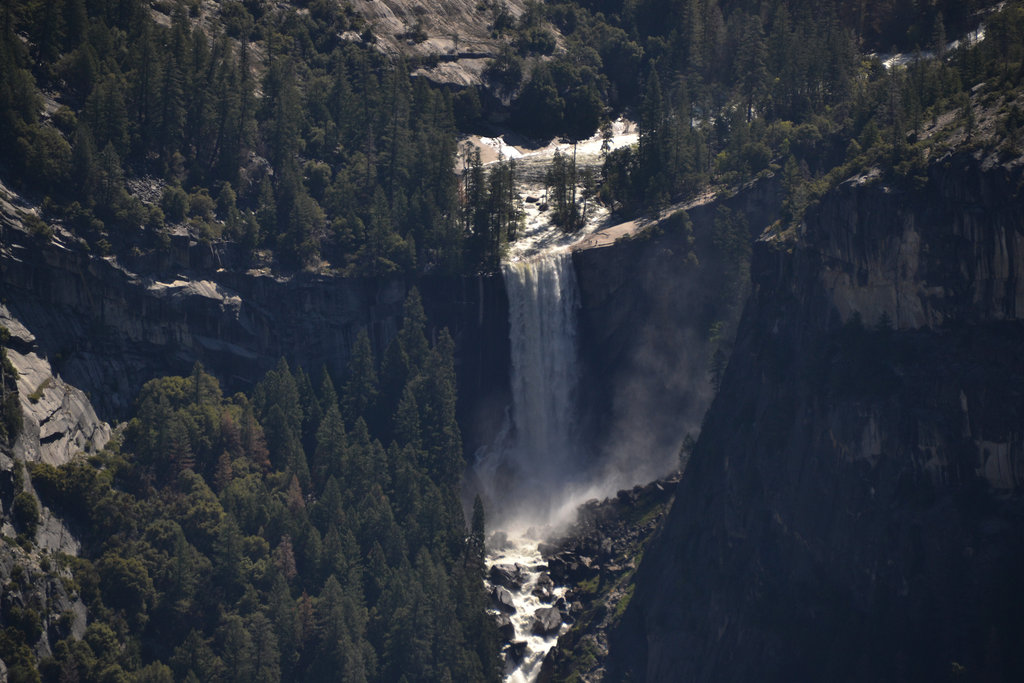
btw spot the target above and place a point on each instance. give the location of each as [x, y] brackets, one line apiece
[573, 586]
[596, 560]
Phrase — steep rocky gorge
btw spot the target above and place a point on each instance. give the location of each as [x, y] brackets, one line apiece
[107, 324]
[853, 508]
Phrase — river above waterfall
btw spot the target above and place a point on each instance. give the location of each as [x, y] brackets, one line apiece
[538, 233]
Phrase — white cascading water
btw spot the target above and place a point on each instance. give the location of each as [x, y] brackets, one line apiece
[542, 299]
[531, 478]
[526, 473]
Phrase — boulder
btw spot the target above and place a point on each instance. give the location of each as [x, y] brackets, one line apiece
[505, 628]
[542, 593]
[516, 651]
[501, 599]
[559, 568]
[546, 621]
[544, 587]
[508, 575]
[568, 568]
[547, 549]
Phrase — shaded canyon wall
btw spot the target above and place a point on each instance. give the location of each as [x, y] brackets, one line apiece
[853, 509]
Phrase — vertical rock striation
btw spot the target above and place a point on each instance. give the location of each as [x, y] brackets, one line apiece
[854, 508]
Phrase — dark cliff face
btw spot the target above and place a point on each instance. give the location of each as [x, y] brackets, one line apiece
[107, 329]
[853, 509]
[647, 308]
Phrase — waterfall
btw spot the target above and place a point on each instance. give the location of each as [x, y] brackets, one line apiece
[532, 477]
[537, 456]
[542, 320]
[527, 472]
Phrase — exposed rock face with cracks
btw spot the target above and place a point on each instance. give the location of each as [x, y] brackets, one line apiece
[58, 424]
[455, 34]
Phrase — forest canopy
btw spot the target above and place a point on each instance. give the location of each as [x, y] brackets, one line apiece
[282, 129]
[303, 532]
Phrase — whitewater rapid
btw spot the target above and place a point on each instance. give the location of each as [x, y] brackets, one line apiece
[521, 552]
[538, 234]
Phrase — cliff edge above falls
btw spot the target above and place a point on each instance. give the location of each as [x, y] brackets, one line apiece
[853, 509]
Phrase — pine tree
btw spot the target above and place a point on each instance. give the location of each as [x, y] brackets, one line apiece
[144, 77]
[109, 178]
[107, 114]
[413, 333]
[475, 548]
[331, 446]
[406, 421]
[359, 393]
[394, 373]
[279, 389]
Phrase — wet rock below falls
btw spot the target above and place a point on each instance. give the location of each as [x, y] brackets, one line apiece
[510, 576]
[506, 630]
[546, 620]
[502, 600]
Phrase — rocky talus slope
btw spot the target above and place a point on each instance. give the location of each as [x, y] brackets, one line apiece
[854, 508]
[598, 557]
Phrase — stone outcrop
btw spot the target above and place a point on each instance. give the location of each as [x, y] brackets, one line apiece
[58, 424]
[952, 251]
[40, 593]
[852, 508]
[546, 620]
[454, 37]
[58, 420]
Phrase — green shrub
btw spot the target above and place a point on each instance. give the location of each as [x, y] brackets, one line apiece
[37, 227]
[201, 204]
[11, 424]
[174, 203]
[25, 511]
[38, 393]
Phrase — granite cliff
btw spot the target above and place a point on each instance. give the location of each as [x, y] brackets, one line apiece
[853, 507]
[647, 308]
[57, 423]
[109, 325]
